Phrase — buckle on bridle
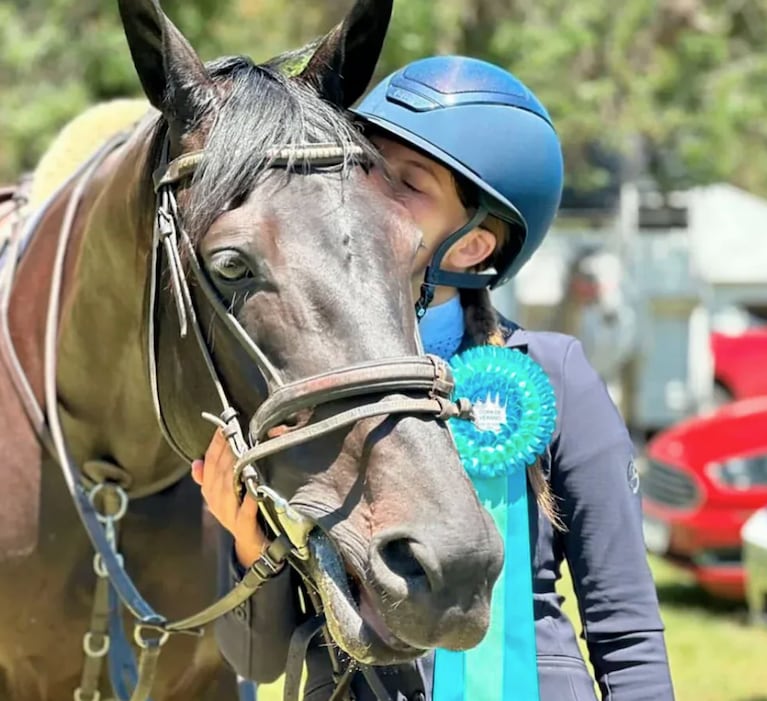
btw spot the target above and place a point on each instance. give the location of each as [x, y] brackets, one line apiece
[283, 518]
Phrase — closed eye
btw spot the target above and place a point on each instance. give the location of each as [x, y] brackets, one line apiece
[410, 186]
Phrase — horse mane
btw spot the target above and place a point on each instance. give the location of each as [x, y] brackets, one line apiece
[264, 109]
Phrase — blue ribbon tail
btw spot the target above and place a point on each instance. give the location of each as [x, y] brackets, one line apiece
[504, 666]
[520, 662]
[449, 676]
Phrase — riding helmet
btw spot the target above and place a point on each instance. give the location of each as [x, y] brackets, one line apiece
[485, 124]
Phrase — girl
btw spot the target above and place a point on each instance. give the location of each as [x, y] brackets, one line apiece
[478, 164]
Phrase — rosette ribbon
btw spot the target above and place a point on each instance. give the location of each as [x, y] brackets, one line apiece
[514, 409]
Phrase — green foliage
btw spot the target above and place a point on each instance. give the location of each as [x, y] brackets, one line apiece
[59, 56]
[686, 78]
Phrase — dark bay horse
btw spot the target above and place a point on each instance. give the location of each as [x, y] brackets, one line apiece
[310, 257]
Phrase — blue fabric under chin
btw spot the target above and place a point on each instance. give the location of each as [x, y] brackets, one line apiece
[442, 328]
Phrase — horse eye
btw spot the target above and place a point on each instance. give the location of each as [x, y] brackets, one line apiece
[229, 266]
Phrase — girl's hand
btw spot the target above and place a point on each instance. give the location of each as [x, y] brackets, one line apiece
[214, 475]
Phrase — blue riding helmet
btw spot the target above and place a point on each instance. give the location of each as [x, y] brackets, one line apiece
[483, 123]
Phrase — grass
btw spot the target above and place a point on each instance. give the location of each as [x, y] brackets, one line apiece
[714, 655]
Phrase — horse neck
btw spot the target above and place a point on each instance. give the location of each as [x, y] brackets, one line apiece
[102, 377]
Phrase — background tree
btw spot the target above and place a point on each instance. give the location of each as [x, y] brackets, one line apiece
[686, 79]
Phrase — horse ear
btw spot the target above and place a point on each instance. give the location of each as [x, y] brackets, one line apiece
[344, 60]
[172, 75]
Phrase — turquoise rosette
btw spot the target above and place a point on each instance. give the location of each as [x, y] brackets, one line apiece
[514, 410]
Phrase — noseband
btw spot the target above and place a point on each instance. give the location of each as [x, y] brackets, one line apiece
[413, 385]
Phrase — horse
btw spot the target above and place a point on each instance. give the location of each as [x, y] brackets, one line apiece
[239, 252]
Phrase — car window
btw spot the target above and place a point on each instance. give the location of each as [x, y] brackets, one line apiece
[742, 473]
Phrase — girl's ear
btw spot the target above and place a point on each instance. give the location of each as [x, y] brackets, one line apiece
[470, 250]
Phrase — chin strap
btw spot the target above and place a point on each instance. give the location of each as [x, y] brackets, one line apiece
[435, 276]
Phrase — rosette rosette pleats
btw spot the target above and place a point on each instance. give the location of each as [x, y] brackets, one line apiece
[514, 410]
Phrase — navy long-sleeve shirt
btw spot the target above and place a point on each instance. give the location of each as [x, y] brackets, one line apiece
[590, 468]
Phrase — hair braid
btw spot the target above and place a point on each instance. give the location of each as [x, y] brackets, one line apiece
[480, 318]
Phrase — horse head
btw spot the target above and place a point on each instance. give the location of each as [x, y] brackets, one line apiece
[300, 261]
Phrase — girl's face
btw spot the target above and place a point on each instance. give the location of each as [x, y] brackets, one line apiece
[427, 189]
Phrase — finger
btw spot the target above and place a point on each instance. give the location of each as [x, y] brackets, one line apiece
[248, 509]
[216, 464]
[221, 478]
[221, 504]
[198, 467]
[221, 466]
[216, 446]
[248, 530]
[218, 492]
[226, 459]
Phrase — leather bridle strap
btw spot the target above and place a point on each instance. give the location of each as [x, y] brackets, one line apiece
[408, 374]
[318, 155]
[439, 407]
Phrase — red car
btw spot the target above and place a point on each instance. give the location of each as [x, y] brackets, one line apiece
[704, 477]
[740, 363]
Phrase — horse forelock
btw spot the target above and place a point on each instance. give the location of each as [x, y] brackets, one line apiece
[262, 110]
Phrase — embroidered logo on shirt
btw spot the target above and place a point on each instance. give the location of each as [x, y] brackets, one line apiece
[633, 477]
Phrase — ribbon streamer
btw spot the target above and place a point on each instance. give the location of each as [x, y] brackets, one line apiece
[515, 418]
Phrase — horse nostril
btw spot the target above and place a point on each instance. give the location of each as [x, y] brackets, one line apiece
[400, 559]
[409, 560]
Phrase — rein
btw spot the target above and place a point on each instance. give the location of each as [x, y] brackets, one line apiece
[100, 506]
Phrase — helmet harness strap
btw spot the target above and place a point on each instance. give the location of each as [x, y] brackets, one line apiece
[434, 274]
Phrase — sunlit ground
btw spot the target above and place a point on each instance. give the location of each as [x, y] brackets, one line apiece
[714, 655]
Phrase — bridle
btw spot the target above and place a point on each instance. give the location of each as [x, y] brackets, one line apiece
[426, 377]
